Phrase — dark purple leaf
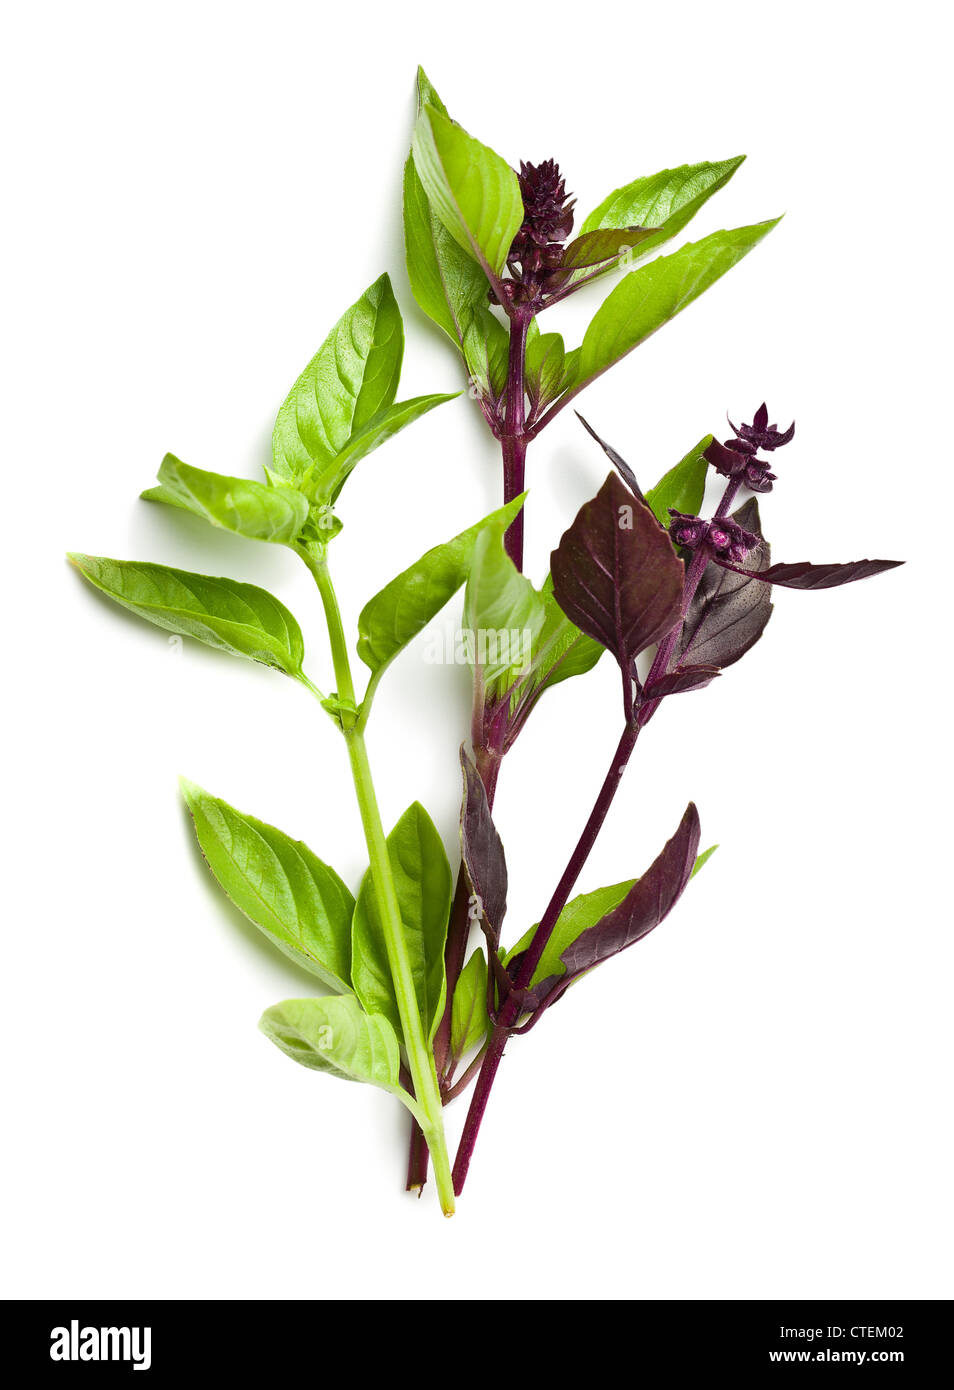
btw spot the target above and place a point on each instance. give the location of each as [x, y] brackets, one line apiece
[803, 575]
[686, 678]
[482, 851]
[620, 464]
[729, 611]
[645, 905]
[616, 574]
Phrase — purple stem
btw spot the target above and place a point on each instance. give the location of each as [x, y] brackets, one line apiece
[510, 1012]
[513, 440]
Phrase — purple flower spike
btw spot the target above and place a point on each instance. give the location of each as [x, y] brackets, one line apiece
[548, 217]
[536, 255]
[760, 434]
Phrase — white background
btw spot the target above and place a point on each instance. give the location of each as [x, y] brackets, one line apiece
[756, 1102]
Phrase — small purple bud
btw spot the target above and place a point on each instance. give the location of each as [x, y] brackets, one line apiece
[734, 541]
[686, 530]
[757, 476]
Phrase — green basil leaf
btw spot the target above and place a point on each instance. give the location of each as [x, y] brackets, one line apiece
[469, 1022]
[236, 504]
[336, 1036]
[222, 613]
[665, 201]
[287, 891]
[545, 368]
[422, 879]
[646, 299]
[683, 487]
[486, 348]
[473, 192]
[446, 282]
[579, 914]
[328, 484]
[405, 606]
[703, 858]
[503, 615]
[352, 378]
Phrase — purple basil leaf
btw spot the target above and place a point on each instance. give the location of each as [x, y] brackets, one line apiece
[482, 851]
[616, 574]
[686, 678]
[645, 905]
[803, 575]
[620, 464]
[605, 244]
[729, 611]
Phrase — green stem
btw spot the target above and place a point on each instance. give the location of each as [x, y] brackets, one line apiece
[419, 1055]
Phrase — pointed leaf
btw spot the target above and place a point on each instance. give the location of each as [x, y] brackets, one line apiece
[649, 900]
[403, 608]
[666, 201]
[469, 1022]
[328, 484]
[646, 299]
[803, 575]
[287, 891]
[703, 858]
[422, 879]
[222, 613]
[352, 378]
[446, 281]
[471, 189]
[482, 851]
[336, 1036]
[616, 575]
[684, 486]
[427, 94]
[728, 612]
[248, 508]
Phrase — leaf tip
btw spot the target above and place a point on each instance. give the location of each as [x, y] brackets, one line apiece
[190, 791]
